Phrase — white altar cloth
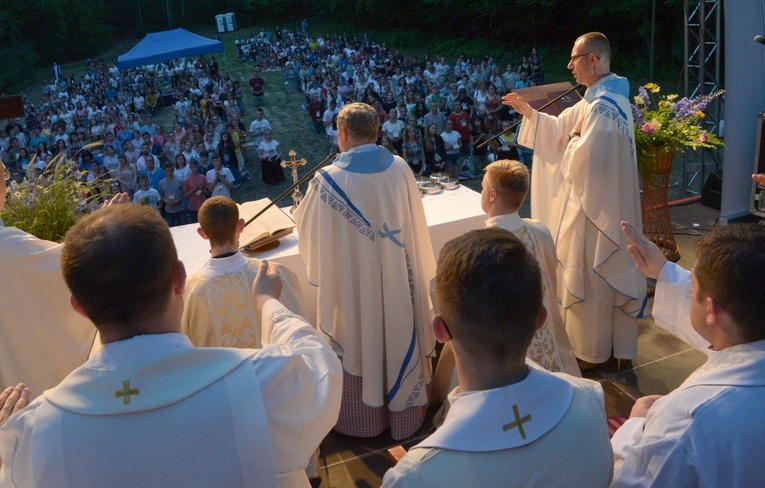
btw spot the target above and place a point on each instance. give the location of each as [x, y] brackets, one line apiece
[450, 213]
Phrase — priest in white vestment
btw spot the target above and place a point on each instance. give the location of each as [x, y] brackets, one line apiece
[709, 431]
[511, 423]
[584, 182]
[218, 308]
[41, 338]
[365, 242]
[149, 409]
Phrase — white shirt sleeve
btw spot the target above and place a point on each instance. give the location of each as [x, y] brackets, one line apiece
[627, 436]
[301, 382]
[658, 461]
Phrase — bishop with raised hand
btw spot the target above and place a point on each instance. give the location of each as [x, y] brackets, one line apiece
[584, 182]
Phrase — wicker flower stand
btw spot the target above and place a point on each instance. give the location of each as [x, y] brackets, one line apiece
[656, 224]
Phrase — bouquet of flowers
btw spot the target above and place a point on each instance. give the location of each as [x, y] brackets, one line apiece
[47, 205]
[665, 124]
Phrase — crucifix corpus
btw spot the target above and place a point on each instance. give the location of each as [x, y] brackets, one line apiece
[293, 164]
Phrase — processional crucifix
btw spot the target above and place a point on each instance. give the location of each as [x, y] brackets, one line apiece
[297, 195]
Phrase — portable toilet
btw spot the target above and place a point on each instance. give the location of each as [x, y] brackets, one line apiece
[220, 22]
[230, 21]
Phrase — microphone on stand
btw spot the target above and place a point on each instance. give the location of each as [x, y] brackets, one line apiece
[759, 39]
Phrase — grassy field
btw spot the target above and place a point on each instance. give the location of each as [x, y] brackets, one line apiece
[290, 123]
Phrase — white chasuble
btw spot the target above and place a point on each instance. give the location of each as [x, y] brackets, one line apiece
[218, 308]
[365, 242]
[584, 183]
[714, 415]
[548, 429]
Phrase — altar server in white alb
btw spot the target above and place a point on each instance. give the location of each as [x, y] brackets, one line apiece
[504, 187]
[149, 409]
[709, 431]
[503, 190]
[218, 307]
[511, 423]
[365, 242]
[584, 182]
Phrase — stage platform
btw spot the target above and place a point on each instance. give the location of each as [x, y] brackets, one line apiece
[662, 364]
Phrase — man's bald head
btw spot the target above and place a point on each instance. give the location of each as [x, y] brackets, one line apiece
[598, 44]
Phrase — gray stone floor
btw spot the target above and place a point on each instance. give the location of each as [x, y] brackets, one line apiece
[663, 362]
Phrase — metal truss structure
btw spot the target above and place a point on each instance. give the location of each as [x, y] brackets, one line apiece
[703, 50]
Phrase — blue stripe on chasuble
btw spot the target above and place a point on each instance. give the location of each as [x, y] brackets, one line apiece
[341, 194]
[402, 371]
[608, 99]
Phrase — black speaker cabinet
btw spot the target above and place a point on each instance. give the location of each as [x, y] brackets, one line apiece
[711, 194]
[757, 202]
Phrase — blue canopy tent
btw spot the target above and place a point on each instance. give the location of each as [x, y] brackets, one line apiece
[166, 45]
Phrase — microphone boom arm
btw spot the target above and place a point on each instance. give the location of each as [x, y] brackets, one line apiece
[514, 125]
[289, 190]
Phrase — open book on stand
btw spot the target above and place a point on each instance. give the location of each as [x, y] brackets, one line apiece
[267, 228]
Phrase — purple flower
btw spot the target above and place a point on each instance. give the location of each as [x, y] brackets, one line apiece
[685, 108]
[702, 103]
[636, 115]
[644, 95]
[648, 129]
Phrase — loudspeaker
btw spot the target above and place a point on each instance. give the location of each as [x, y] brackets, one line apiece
[711, 194]
[11, 107]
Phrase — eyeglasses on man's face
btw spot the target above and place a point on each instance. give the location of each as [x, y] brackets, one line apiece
[581, 55]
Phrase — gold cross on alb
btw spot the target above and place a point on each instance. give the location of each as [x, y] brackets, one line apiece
[518, 422]
[126, 392]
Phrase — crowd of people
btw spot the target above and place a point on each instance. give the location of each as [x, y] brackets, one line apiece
[421, 92]
[103, 125]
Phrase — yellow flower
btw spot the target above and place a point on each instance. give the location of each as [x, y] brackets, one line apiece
[672, 98]
[663, 103]
[652, 87]
[639, 101]
[700, 114]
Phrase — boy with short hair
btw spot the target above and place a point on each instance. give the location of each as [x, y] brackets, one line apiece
[220, 180]
[218, 307]
[171, 191]
[146, 195]
[196, 190]
[708, 431]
